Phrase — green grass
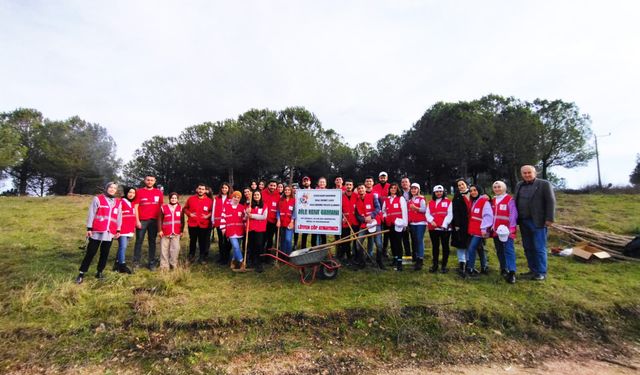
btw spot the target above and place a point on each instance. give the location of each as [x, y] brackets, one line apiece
[206, 316]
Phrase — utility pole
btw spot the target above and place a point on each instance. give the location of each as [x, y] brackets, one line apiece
[598, 159]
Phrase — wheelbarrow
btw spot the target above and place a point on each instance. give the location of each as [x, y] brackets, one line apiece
[313, 262]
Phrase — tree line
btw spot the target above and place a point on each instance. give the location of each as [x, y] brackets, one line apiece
[485, 140]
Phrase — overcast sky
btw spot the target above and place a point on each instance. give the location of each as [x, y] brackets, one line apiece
[365, 68]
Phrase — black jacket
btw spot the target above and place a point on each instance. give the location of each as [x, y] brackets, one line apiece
[459, 238]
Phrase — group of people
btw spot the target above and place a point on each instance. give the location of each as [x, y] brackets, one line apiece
[382, 215]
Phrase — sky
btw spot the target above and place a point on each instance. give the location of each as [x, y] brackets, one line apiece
[365, 68]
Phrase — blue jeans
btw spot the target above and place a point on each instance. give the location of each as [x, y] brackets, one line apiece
[235, 249]
[506, 254]
[122, 248]
[370, 240]
[534, 241]
[475, 245]
[417, 236]
[286, 240]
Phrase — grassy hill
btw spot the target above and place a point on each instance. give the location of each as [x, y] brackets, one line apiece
[210, 320]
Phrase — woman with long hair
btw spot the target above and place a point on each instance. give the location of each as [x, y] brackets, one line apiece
[461, 204]
[219, 201]
[286, 219]
[257, 216]
[394, 209]
[233, 227]
[246, 196]
[417, 208]
[439, 215]
[480, 221]
[127, 229]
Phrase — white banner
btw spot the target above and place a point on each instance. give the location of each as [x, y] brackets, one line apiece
[319, 211]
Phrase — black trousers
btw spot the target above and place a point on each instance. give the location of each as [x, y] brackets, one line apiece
[268, 235]
[396, 243]
[440, 237]
[318, 239]
[150, 227]
[407, 242]
[347, 250]
[303, 240]
[201, 237]
[92, 249]
[255, 247]
[224, 247]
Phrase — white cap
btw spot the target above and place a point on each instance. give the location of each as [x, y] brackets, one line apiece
[415, 184]
[383, 174]
[371, 226]
[399, 224]
[503, 233]
[438, 188]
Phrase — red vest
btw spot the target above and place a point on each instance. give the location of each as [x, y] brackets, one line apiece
[218, 207]
[149, 203]
[439, 212]
[198, 206]
[416, 216]
[501, 215]
[233, 220]
[475, 217]
[128, 217]
[171, 221]
[256, 225]
[106, 217]
[286, 207]
[349, 210]
[365, 207]
[270, 201]
[394, 210]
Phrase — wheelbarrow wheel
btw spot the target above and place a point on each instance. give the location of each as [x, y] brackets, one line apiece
[326, 273]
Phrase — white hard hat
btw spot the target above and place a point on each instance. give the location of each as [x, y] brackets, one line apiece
[503, 233]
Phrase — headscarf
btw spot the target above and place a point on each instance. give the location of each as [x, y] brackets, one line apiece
[480, 191]
[106, 189]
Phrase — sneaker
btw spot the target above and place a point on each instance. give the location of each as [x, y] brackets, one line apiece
[122, 268]
[79, 279]
[504, 272]
[485, 270]
[152, 266]
[100, 276]
[510, 277]
[539, 277]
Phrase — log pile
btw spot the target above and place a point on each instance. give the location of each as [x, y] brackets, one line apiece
[609, 242]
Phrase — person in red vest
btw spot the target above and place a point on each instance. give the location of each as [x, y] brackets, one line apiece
[368, 214]
[126, 230]
[233, 227]
[381, 191]
[350, 223]
[407, 237]
[198, 210]
[147, 208]
[439, 215]
[417, 209]
[246, 196]
[339, 184]
[480, 221]
[286, 219]
[396, 219]
[257, 214]
[505, 220]
[219, 201]
[461, 207]
[103, 225]
[270, 198]
[170, 224]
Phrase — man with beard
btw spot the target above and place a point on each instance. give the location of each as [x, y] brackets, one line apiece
[381, 191]
[270, 198]
[147, 208]
[198, 212]
[405, 186]
[350, 222]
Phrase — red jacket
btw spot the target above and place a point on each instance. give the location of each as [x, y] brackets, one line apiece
[475, 217]
[394, 210]
[270, 201]
[233, 220]
[439, 212]
[286, 207]
[199, 207]
[171, 222]
[349, 210]
[106, 217]
[416, 216]
[149, 202]
[128, 217]
[257, 225]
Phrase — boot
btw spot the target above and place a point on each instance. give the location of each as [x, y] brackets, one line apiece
[462, 269]
[399, 264]
[511, 277]
[100, 275]
[434, 268]
[418, 264]
[122, 268]
[504, 272]
[444, 268]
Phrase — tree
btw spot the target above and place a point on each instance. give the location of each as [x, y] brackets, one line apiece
[564, 135]
[12, 150]
[27, 123]
[79, 155]
[634, 178]
[157, 157]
